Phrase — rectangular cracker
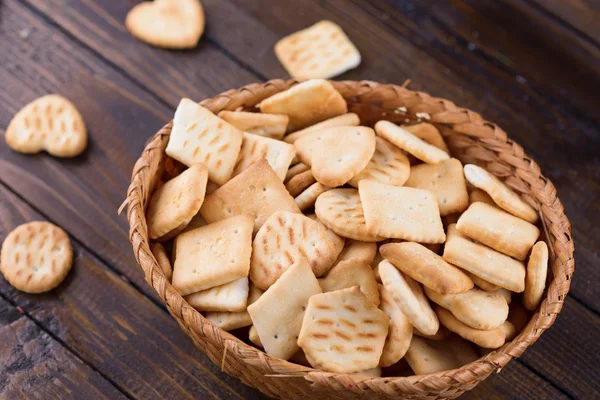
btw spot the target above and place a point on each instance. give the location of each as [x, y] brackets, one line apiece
[232, 296]
[255, 147]
[349, 119]
[278, 313]
[343, 331]
[319, 51]
[498, 229]
[199, 136]
[176, 202]
[401, 212]
[213, 255]
[234, 320]
[257, 191]
[306, 103]
[268, 125]
[445, 180]
[409, 142]
[428, 356]
[486, 263]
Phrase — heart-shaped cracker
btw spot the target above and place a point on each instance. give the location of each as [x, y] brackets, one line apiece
[199, 136]
[389, 165]
[341, 211]
[172, 24]
[337, 154]
[343, 331]
[283, 240]
[50, 123]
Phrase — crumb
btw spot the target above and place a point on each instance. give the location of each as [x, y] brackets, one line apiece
[399, 110]
[24, 33]
[423, 115]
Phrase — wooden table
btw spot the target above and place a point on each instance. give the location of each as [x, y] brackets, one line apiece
[530, 65]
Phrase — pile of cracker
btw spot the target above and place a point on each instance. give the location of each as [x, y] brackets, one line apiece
[320, 240]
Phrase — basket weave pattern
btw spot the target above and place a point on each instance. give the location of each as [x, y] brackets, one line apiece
[470, 139]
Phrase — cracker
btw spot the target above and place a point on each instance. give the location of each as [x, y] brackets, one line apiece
[297, 184]
[343, 331]
[349, 119]
[401, 212]
[257, 191]
[509, 331]
[498, 229]
[253, 336]
[428, 133]
[167, 24]
[482, 283]
[232, 296]
[490, 339]
[446, 181]
[268, 125]
[368, 373]
[337, 241]
[211, 187]
[197, 221]
[341, 211]
[476, 308]
[481, 196]
[388, 165]
[428, 356]
[400, 330]
[172, 206]
[450, 219]
[350, 273]
[488, 264]
[278, 313]
[255, 147]
[357, 250]
[36, 257]
[319, 51]
[308, 197]
[424, 266]
[284, 240]
[502, 195]
[306, 103]
[535, 281]
[410, 143]
[295, 170]
[199, 136]
[409, 296]
[507, 294]
[159, 252]
[337, 154]
[212, 255]
[229, 321]
[441, 334]
[50, 123]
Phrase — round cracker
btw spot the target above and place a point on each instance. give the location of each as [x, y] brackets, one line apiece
[308, 197]
[36, 257]
[535, 281]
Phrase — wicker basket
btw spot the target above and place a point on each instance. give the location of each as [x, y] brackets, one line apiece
[472, 140]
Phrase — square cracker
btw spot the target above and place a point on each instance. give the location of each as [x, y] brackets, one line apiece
[409, 142]
[320, 51]
[306, 103]
[234, 320]
[343, 331]
[199, 136]
[277, 314]
[279, 154]
[268, 125]
[257, 191]
[172, 206]
[231, 296]
[446, 181]
[352, 273]
[213, 255]
[401, 212]
[285, 239]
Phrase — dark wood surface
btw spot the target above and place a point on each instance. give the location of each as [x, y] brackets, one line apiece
[530, 65]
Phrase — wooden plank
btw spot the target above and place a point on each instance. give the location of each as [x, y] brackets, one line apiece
[558, 140]
[568, 354]
[33, 365]
[582, 15]
[110, 325]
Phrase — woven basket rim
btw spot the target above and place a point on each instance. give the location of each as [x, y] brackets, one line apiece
[445, 115]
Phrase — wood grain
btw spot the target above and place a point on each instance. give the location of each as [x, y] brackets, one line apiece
[582, 15]
[110, 325]
[33, 365]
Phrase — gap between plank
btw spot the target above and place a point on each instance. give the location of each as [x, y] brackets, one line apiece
[25, 314]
